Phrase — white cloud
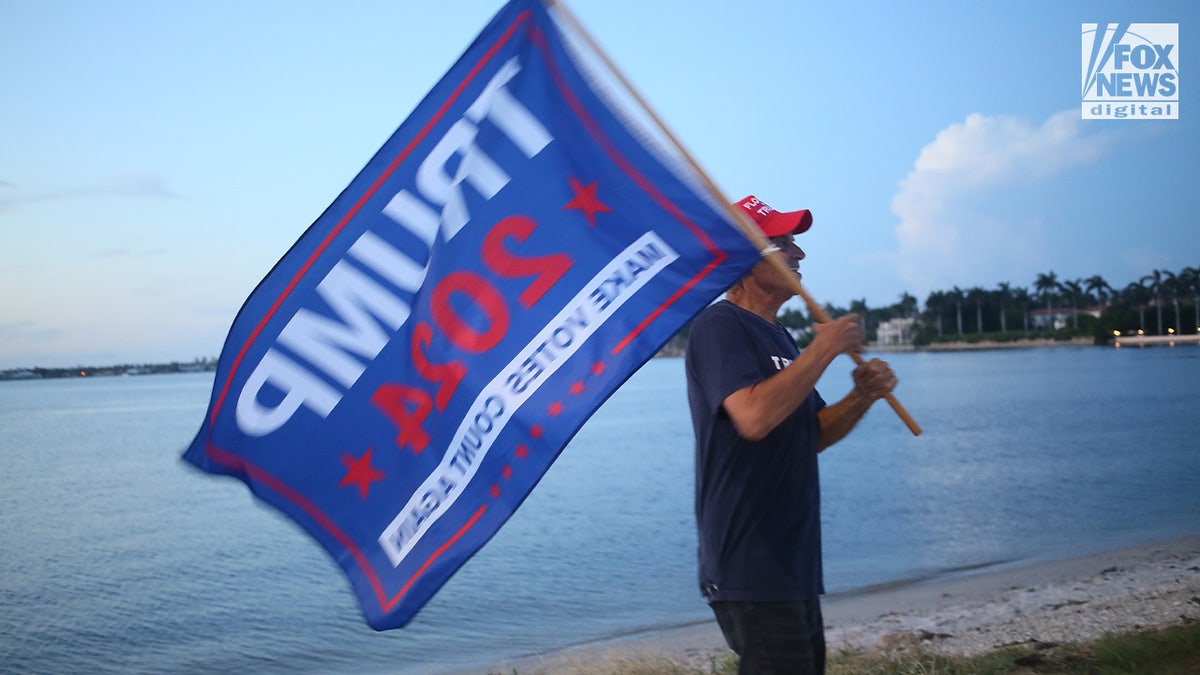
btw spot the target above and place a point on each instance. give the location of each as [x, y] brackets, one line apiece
[948, 236]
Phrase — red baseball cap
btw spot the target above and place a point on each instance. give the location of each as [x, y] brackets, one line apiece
[776, 223]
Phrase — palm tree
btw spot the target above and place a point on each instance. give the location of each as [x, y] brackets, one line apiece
[907, 305]
[1003, 295]
[1022, 298]
[1153, 283]
[1137, 295]
[977, 295]
[1074, 289]
[1172, 289]
[957, 296]
[859, 307]
[1046, 286]
[1099, 287]
[1190, 278]
[935, 304]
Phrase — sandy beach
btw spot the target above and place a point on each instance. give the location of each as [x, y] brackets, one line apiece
[1061, 601]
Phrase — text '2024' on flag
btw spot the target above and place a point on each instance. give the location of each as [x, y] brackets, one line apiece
[408, 371]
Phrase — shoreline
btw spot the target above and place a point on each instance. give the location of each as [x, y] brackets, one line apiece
[1038, 602]
[964, 345]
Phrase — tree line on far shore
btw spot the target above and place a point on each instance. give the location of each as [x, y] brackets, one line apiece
[197, 366]
[1159, 303]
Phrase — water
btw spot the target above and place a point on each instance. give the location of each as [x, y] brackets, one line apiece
[117, 557]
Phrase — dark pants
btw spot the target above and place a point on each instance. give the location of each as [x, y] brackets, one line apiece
[774, 638]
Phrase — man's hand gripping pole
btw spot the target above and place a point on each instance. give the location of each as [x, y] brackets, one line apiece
[773, 255]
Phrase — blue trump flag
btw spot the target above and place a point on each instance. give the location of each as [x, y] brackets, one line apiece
[409, 370]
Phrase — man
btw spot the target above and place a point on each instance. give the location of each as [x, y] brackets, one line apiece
[759, 424]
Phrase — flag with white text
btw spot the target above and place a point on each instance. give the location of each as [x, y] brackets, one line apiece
[408, 371]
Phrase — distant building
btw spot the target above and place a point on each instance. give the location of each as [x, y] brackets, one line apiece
[895, 332]
[1056, 317]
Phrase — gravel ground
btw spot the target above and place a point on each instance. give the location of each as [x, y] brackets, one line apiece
[1157, 587]
[1054, 602]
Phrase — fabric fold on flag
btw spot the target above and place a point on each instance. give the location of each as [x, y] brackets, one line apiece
[403, 377]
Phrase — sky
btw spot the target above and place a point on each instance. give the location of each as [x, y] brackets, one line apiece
[157, 158]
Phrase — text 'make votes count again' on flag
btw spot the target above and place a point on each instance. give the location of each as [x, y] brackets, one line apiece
[408, 371]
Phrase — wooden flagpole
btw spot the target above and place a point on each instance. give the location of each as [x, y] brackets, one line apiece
[748, 228]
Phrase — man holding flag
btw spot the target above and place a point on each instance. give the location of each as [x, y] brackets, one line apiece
[759, 424]
[404, 376]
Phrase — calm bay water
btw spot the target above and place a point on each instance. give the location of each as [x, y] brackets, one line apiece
[116, 557]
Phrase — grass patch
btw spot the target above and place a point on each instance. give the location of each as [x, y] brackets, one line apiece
[1169, 651]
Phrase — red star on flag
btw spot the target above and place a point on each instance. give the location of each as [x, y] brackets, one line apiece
[577, 388]
[585, 200]
[556, 409]
[598, 368]
[360, 472]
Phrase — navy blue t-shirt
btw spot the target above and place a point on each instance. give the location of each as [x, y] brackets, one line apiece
[758, 503]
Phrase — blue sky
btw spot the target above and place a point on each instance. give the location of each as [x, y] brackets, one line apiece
[157, 158]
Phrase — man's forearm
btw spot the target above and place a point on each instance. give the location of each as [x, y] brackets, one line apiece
[838, 419]
[759, 408]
